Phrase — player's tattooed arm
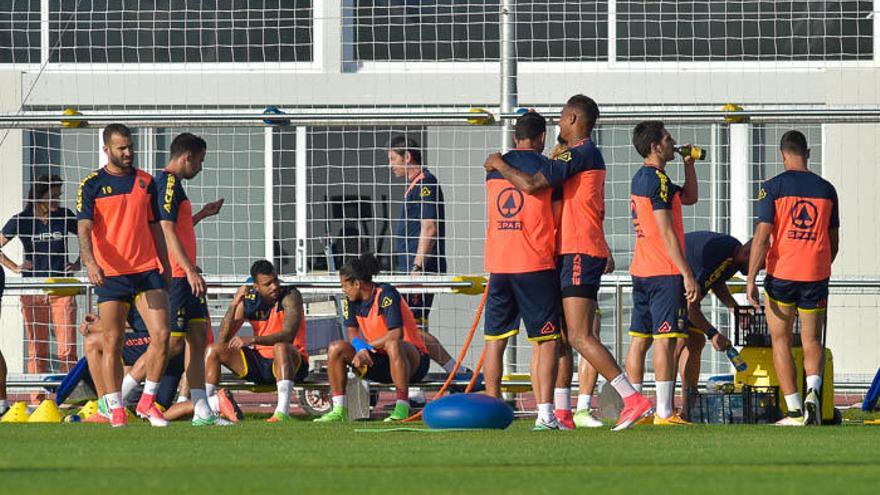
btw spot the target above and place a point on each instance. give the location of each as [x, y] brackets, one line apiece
[529, 184]
[234, 317]
[293, 315]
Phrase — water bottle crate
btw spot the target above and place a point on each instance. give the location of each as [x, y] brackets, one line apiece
[751, 405]
[750, 328]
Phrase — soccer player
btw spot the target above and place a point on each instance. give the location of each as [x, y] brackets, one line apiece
[663, 283]
[123, 249]
[43, 227]
[384, 343]
[187, 291]
[276, 353]
[520, 258]
[584, 254]
[134, 349]
[420, 235]
[797, 232]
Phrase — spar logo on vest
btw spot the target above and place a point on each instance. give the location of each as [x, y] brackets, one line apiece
[510, 203]
[803, 217]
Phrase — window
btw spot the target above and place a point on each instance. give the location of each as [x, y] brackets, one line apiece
[20, 31]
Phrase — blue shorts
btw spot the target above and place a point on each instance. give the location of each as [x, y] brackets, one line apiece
[659, 307]
[420, 304]
[134, 346]
[807, 296]
[580, 275]
[260, 370]
[184, 307]
[532, 296]
[380, 371]
[125, 288]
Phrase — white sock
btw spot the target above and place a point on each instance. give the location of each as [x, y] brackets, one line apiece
[210, 389]
[416, 394]
[201, 409]
[449, 366]
[665, 391]
[793, 402]
[340, 401]
[562, 398]
[214, 404]
[545, 412]
[624, 387]
[182, 398]
[150, 388]
[284, 388]
[128, 384]
[4, 405]
[584, 402]
[113, 400]
[814, 382]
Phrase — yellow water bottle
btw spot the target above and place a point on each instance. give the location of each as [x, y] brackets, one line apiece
[694, 152]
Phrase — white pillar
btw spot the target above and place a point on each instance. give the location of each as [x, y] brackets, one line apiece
[741, 218]
[268, 195]
[302, 200]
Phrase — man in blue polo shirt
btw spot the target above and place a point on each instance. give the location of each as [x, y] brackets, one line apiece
[419, 233]
[43, 228]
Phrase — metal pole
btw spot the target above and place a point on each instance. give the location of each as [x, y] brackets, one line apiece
[268, 195]
[740, 182]
[618, 324]
[302, 205]
[508, 105]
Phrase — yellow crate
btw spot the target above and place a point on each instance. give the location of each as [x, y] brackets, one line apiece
[762, 373]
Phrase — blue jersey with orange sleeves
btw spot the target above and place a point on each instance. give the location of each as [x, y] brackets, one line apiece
[582, 216]
[121, 208]
[268, 319]
[652, 190]
[174, 206]
[521, 231]
[803, 209]
[383, 311]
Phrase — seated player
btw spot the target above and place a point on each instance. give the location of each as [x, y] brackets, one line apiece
[276, 353]
[384, 341]
[135, 344]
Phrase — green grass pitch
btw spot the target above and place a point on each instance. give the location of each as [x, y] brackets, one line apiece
[301, 457]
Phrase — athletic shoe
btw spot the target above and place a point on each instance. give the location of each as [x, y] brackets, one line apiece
[151, 414]
[229, 408]
[812, 413]
[634, 409]
[791, 420]
[565, 419]
[400, 412]
[279, 417]
[212, 420]
[98, 418]
[541, 425]
[583, 419]
[118, 417]
[672, 420]
[337, 415]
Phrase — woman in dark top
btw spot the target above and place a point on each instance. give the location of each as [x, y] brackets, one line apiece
[43, 228]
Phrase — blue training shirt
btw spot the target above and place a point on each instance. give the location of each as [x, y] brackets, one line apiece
[44, 244]
[423, 200]
[710, 256]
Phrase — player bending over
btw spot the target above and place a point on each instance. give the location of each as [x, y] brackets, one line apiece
[384, 341]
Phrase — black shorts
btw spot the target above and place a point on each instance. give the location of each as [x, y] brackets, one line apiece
[580, 275]
[125, 288]
[260, 370]
[659, 307]
[380, 371]
[184, 307]
[134, 346]
[807, 296]
[420, 305]
[533, 297]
